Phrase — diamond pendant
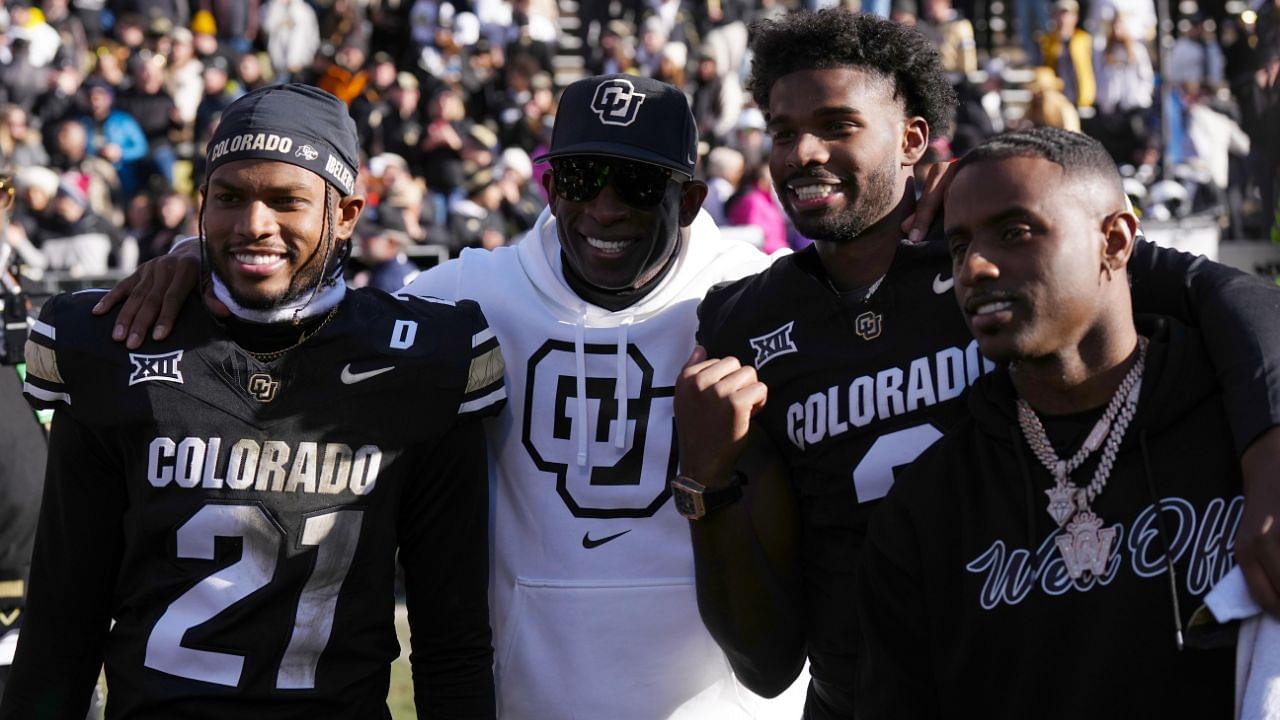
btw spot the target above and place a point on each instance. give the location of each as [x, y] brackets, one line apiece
[1062, 502]
[1085, 545]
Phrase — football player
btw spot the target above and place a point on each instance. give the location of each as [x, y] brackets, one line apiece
[863, 356]
[22, 449]
[223, 508]
[592, 593]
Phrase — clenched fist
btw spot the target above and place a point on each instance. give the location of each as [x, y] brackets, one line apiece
[715, 401]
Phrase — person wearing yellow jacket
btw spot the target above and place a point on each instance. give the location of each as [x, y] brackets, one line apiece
[1068, 50]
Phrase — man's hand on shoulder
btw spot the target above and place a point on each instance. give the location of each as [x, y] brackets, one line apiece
[153, 296]
[714, 403]
[1258, 537]
[937, 178]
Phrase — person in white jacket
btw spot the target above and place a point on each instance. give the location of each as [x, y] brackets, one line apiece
[293, 35]
[592, 588]
[592, 594]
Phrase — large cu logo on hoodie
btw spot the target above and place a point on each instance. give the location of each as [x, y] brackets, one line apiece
[612, 448]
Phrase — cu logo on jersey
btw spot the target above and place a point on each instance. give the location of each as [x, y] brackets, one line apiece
[607, 481]
[617, 102]
[867, 325]
[263, 387]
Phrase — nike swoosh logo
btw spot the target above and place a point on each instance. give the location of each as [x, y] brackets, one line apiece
[940, 286]
[588, 543]
[351, 378]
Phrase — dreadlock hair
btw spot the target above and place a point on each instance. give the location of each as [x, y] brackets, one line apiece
[324, 279]
[1077, 154]
[838, 38]
[206, 266]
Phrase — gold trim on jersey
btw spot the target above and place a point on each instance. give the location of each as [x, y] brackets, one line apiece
[485, 370]
[11, 589]
[42, 362]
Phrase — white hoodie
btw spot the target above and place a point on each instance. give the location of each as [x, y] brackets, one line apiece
[592, 593]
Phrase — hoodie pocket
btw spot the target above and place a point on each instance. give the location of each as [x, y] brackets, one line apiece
[600, 649]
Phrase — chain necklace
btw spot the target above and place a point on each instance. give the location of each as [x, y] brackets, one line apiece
[277, 354]
[871, 289]
[1085, 545]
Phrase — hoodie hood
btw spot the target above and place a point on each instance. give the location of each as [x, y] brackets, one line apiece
[702, 245]
[1177, 379]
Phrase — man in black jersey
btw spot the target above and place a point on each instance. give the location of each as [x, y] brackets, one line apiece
[863, 356]
[212, 529]
[22, 452]
[1042, 559]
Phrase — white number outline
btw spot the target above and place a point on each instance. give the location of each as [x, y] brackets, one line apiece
[334, 534]
[873, 475]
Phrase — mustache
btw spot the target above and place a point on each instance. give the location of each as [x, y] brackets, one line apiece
[817, 173]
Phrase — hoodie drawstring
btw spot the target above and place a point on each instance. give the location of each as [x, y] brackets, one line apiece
[620, 430]
[1164, 538]
[580, 358]
[620, 392]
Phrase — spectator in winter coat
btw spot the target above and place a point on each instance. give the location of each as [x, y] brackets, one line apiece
[20, 146]
[115, 136]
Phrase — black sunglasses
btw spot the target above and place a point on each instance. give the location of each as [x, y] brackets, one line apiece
[639, 184]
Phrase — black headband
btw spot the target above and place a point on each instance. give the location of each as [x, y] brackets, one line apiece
[294, 123]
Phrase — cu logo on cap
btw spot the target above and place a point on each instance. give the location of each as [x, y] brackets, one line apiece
[617, 102]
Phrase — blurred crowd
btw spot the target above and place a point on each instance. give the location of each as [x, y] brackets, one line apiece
[106, 106]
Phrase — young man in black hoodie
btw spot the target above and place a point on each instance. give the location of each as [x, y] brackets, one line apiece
[1042, 558]
[865, 357]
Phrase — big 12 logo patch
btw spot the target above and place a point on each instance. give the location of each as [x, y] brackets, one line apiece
[594, 476]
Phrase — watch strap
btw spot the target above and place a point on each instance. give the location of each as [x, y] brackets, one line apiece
[722, 497]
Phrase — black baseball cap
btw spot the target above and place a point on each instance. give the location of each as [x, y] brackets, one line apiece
[293, 123]
[625, 116]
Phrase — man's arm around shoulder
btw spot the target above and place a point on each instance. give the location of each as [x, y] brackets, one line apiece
[1239, 317]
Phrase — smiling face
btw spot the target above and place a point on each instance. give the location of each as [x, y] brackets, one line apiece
[1031, 246]
[841, 141]
[264, 225]
[614, 246]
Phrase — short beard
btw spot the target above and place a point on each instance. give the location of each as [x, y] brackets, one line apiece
[300, 285]
[306, 280]
[872, 203]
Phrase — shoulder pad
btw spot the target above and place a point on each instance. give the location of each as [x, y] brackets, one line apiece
[462, 349]
[65, 326]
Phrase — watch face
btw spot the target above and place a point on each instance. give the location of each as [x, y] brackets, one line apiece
[685, 504]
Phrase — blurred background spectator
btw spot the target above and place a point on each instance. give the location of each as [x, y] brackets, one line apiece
[106, 106]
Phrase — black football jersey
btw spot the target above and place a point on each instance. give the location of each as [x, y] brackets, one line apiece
[239, 520]
[22, 455]
[857, 390]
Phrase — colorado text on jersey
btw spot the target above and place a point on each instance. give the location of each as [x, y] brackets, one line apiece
[893, 391]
